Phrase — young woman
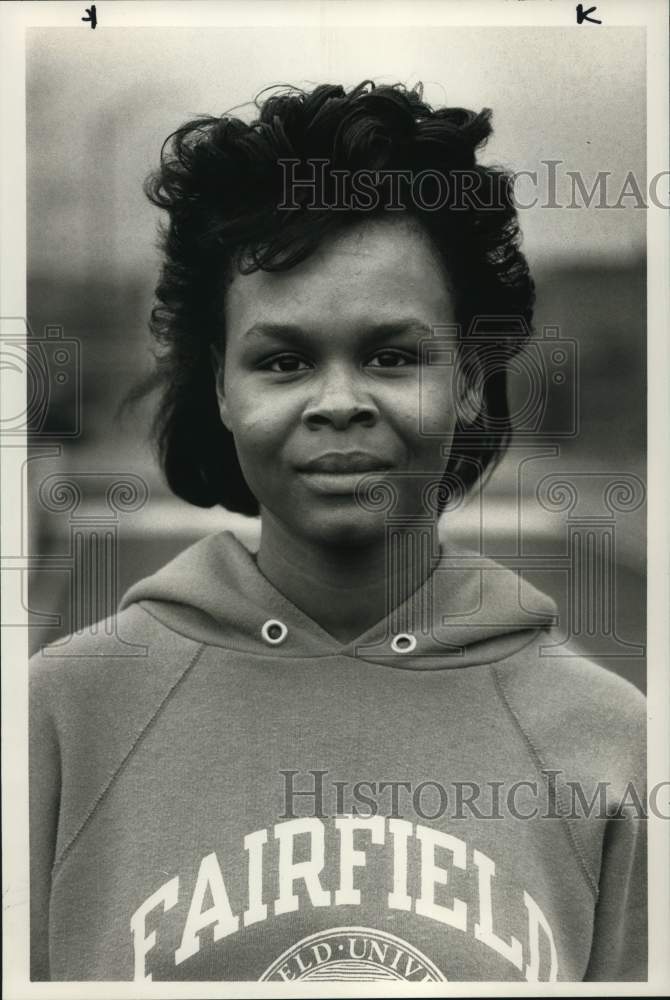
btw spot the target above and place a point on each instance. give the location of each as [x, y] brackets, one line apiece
[352, 754]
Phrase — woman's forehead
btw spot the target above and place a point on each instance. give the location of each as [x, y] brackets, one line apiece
[379, 266]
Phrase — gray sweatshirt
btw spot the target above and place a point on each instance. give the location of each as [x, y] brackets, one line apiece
[220, 790]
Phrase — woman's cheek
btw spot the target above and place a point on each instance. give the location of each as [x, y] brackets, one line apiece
[256, 416]
[432, 413]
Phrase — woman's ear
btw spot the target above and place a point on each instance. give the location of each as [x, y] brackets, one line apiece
[218, 366]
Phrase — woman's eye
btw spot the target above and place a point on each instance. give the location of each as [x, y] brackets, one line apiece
[286, 363]
[390, 359]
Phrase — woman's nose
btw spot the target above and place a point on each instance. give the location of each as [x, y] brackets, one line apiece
[340, 403]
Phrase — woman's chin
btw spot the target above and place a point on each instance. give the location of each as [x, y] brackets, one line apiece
[352, 528]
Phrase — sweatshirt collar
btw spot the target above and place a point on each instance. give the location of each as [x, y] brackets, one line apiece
[471, 610]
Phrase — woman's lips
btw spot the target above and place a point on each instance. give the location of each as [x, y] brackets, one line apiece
[344, 463]
[339, 473]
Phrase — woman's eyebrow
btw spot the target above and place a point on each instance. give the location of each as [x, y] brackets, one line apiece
[385, 328]
[398, 327]
[289, 331]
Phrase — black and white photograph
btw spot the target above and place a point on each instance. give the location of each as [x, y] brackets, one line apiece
[335, 557]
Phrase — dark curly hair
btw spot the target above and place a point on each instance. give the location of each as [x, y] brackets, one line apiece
[222, 182]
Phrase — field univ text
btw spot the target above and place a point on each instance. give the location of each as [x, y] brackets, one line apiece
[531, 948]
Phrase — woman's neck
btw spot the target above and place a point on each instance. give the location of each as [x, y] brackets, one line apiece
[346, 590]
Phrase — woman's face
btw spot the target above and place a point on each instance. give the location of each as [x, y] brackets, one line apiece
[324, 381]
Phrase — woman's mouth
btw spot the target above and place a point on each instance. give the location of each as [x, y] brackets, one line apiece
[344, 462]
[339, 473]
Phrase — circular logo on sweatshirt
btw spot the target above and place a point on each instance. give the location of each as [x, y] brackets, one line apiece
[357, 953]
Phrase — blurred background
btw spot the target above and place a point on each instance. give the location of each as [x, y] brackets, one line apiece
[100, 104]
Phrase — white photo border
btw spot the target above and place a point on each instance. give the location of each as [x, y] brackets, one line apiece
[15, 19]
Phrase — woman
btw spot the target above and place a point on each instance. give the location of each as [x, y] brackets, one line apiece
[263, 795]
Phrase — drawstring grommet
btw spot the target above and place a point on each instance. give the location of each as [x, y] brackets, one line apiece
[404, 642]
[274, 631]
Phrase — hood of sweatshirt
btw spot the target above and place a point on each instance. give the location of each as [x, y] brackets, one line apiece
[471, 610]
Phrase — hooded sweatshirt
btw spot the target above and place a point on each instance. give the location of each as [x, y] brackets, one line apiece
[221, 790]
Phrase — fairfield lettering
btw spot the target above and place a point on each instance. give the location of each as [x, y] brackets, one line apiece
[536, 959]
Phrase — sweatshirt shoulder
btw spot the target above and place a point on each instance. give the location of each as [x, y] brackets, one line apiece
[572, 685]
[103, 683]
[127, 646]
[92, 696]
[580, 716]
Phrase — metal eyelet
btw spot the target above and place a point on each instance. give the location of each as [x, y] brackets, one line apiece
[404, 642]
[274, 632]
